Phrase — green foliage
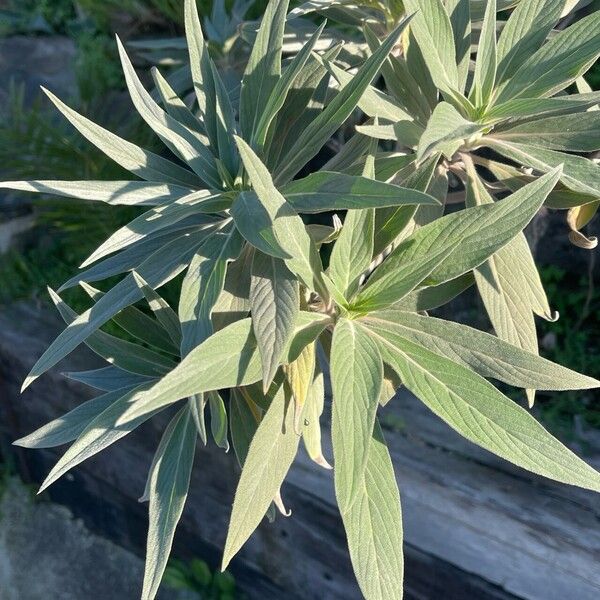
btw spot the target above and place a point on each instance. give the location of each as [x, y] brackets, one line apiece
[197, 576]
[571, 341]
[225, 220]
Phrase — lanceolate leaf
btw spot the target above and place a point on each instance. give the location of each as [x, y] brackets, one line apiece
[135, 193]
[524, 32]
[212, 99]
[373, 526]
[559, 62]
[299, 376]
[72, 424]
[100, 432]
[181, 140]
[486, 354]
[125, 355]
[479, 412]
[168, 489]
[107, 379]
[157, 269]
[315, 135]
[270, 455]
[276, 100]
[264, 67]
[508, 282]
[274, 302]
[356, 379]
[579, 132]
[323, 191]
[473, 234]
[203, 285]
[578, 174]
[432, 28]
[446, 131]
[311, 431]
[485, 66]
[281, 221]
[142, 163]
[459, 12]
[228, 358]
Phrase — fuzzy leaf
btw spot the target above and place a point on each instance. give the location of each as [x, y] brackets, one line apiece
[356, 380]
[274, 302]
[168, 489]
[270, 455]
[483, 415]
[374, 526]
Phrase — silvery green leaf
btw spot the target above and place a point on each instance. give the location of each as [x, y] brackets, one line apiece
[244, 418]
[305, 100]
[356, 380]
[131, 257]
[433, 31]
[138, 324]
[316, 134]
[373, 526]
[524, 32]
[531, 107]
[125, 355]
[459, 12]
[270, 455]
[324, 191]
[215, 108]
[579, 132]
[280, 91]
[391, 222]
[161, 309]
[167, 493]
[446, 131]
[177, 108]
[274, 302]
[398, 277]
[69, 427]
[178, 137]
[430, 297]
[276, 219]
[203, 284]
[218, 419]
[160, 267]
[353, 250]
[479, 412]
[234, 301]
[486, 354]
[100, 432]
[263, 69]
[134, 193]
[509, 283]
[485, 66]
[374, 103]
[579, 174]
[558, 63]
[155, 220]
[140, 162]
[228, 358]
[469, 236]
[107, 379]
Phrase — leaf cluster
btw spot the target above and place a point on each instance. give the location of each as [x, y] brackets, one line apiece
[262, 316]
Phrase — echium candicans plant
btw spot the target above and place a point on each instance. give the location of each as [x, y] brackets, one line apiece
[256, 301]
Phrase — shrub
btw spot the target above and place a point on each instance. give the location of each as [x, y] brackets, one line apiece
[256, 302]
